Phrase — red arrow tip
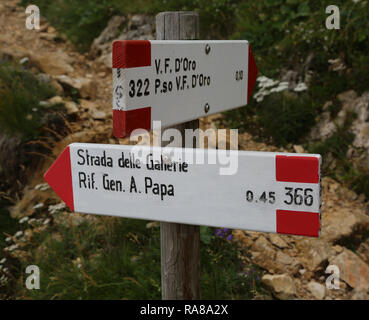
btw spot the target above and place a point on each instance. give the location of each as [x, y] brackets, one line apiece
[59, 177]
[253, 74]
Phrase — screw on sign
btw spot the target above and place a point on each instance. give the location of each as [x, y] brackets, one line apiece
[264, 191]
[178, 81]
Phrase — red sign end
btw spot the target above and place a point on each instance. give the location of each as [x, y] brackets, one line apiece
[59, 177]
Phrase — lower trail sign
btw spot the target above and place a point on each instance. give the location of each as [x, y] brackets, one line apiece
[178, 81]
[261, 191]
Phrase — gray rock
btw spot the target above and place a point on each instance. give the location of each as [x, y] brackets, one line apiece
[135, 27]
[55, 100]
[315, 252]
[277, 241]
[284, 259]
[351, 104]
[359, 295]
[353, 270]
[86, 87]
[324, 129]
[347, 96]
[316, 289]
[343, 223]
[264, 254]
[110, 33]
[98, 115]
[71, 107]
[363, 252]
[52, 63]
[282, 286]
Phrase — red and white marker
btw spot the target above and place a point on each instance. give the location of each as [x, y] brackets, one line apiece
[269, 192]
[178, 81]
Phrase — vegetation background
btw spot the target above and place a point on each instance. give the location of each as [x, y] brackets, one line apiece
[284, 35]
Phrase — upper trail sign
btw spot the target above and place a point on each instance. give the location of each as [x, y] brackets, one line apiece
[178, 81]
[271, 192]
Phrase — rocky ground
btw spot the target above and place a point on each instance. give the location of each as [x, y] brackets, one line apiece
[294, 266]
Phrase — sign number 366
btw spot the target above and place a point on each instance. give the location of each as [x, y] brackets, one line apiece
[299, 196]
[294, 196]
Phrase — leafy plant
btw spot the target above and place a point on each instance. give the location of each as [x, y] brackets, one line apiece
[117, 258]
[20, 95]
[83, 21]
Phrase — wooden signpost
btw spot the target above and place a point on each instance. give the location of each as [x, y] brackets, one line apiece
[176, 80]
[179, 243]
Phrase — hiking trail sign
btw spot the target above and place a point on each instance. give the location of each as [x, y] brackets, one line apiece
[178, 81]
[269, 192]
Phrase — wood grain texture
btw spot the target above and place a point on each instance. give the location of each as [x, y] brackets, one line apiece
[180, 243]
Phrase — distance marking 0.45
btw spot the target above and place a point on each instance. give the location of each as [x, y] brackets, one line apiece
[270, 192]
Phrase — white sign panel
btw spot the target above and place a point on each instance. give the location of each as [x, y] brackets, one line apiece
[260, 191]
[178, 81]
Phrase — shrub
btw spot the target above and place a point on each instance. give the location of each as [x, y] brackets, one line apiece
[283, 34]
[83, 21]
[117, 258]
[20, 95]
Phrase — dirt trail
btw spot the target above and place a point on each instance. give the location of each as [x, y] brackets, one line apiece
[20, 42]
[301, 262]
[52, 54]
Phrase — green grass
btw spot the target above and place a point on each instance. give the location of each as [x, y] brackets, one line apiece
[20, 94]
[279, 119]
[119, 258]
[8, 225]
[282, 35]
[358, 180]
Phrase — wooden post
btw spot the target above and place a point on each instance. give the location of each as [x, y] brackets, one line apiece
[180, 243]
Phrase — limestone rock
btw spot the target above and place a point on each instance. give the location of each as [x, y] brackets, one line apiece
[98, 115]
[284, 259]
[359, 295]
[53, 63]
[360, 126]
[353, 270]
[101, 43]
[49, 36]
[71, 107]
[326, 126]
[264, 254]
[277, 241]
[137, 27]
[314, 252]
[243, 238]
[324, 129]
[55, 100]
[316, 289]
[347, 96]
[282, 286]
[298, 149]
[87, 105]
[86, 87]
[338, 223]
[363, 252]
